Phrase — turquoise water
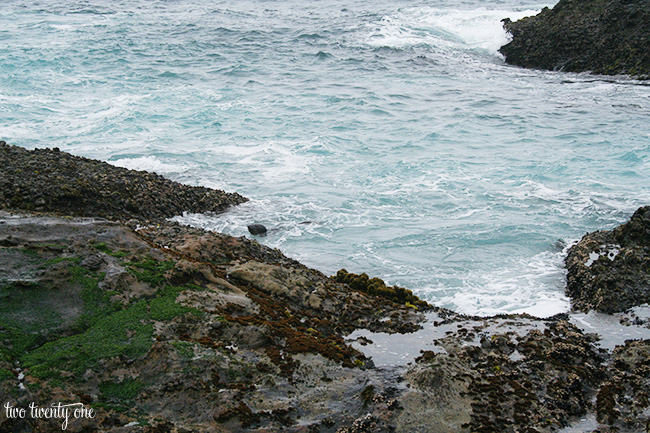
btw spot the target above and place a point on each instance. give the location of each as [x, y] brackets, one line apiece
[394, 128]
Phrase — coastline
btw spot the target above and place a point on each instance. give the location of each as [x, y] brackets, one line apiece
[600, 36]
[163, 327]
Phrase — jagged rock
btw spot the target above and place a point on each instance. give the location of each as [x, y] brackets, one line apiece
[609, 271]
[167, 328]
[602, 36]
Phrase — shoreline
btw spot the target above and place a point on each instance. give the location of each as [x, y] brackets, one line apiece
[600, 36]
[163, 327]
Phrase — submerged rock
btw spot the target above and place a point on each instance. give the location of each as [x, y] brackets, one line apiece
[602, 36]
[609, 271]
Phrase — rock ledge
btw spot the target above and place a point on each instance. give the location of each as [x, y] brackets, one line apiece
[602, 36]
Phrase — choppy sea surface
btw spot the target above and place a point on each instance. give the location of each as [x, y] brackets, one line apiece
[385, 137]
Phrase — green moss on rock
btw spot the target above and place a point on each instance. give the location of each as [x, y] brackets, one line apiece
[124, 391]
[151, 271]
[6, 374]
[127, 333]
[377, 287]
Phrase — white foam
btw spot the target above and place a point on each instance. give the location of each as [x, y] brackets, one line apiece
[285, 218]
[274, 160]
[62, 27]
[533, 285]
[478, 28]
[149, 163]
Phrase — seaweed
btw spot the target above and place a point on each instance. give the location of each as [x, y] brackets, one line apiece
[377, 287]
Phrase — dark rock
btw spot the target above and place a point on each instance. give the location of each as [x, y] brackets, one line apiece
[609, 271]
[602, 36]
[49, 180]
[257, 229]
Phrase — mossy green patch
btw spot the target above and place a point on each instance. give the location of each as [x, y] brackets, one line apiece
[120, 392]
[195, 287]
[54, 247]
[6, 374]
[185, 349]
[119, 396]
[127, 333]
[16, 341]
[96, 302]
[28, 317]
[151, 271]
[5, 352]
[33, 314]
[30, 251]
[377, 287]
[165, 307]
[103, 247]
[120, 334]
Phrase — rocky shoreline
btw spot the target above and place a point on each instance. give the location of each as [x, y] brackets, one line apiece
[160, 327]
[609, 37]
[47, 180]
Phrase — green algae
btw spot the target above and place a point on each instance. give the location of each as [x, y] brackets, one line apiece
[151, 271]
[103, 247]
[127, 333]
[96, 302]
[184, 349]
[28, 318]
[6, 374]
[124, 391]
[377, 287]
[47, 342]
[367, 395]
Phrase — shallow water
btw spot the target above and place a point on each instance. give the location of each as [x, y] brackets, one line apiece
[393, 128]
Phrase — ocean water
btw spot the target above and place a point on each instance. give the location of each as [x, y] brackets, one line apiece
[385, 137]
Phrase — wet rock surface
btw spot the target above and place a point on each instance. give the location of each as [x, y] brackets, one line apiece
[161, 327]
[609, 270]
[48, 180]
[175, 328]
[257, 229]
[202, 330]
[602, 36]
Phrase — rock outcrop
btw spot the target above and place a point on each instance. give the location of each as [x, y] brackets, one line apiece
[602, 36]
[609, 270]
[197, 330]
[48, 180]
[159, 327]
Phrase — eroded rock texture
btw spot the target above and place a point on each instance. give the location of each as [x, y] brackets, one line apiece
[609, 270]
[602, 36]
